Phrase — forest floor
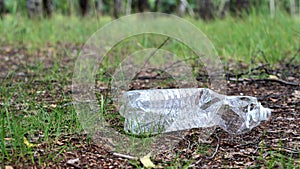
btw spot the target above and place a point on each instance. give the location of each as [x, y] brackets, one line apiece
[39, 127]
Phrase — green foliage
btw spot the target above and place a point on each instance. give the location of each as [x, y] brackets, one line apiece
[15, 6]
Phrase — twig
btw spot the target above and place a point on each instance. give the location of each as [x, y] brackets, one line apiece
[178, 61]
[253, 69]
[211, 157]
[154, 52]
[194, 144]
[264, 56]
[264, 79]
[196, 163]
[294, 57]
[189, 144]
[152, 78]
[287, 150]
[278, 81]
[74, 165]
[125, 156]
[216, 150]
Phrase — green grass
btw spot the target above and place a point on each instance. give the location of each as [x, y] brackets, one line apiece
[24, 113]
[255, 37]
[36, 33]
[277, 158]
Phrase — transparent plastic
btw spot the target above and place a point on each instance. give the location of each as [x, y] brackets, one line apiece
[165, 110]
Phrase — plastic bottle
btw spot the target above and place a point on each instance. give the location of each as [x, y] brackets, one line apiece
[165, 110]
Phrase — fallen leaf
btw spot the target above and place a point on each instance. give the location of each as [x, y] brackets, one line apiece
[50, 106]
[27, 143]
[273, 100]
[146, 161]
[73, 161]
[9, 167]
[296, 94]
[273, 77]
[53, 105]
[7, 139]
[40, 92]
[59, 143]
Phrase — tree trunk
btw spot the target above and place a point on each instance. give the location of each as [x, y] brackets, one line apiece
[239, 6]
[83, 7]
[156, 4]
[293, 7]
[118, 8]
[188, 6]
[272, 8]
[205, 9]
[2, 8]
[143, 6]
[128, 7]
[70, 9]
[181, 9]
[34, 8]
[99, 7]
[48, 7]
[224, 8]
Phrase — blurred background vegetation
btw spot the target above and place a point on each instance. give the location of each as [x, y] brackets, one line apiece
[239, 29]
[216, 8]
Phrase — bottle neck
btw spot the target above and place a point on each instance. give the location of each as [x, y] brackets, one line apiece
[265, 113]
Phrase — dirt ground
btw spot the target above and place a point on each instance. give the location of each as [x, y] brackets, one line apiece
[278, 138]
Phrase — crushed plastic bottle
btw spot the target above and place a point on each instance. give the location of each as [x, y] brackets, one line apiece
[165, 110]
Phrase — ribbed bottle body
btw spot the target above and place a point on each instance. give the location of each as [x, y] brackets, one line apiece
[165, 110]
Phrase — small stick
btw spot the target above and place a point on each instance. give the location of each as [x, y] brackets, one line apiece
[211, 157]
[216, 150]
[264, 79]
[125, 156]
[154, 52]
[196, 163]
[74, 165]
[253, 69]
